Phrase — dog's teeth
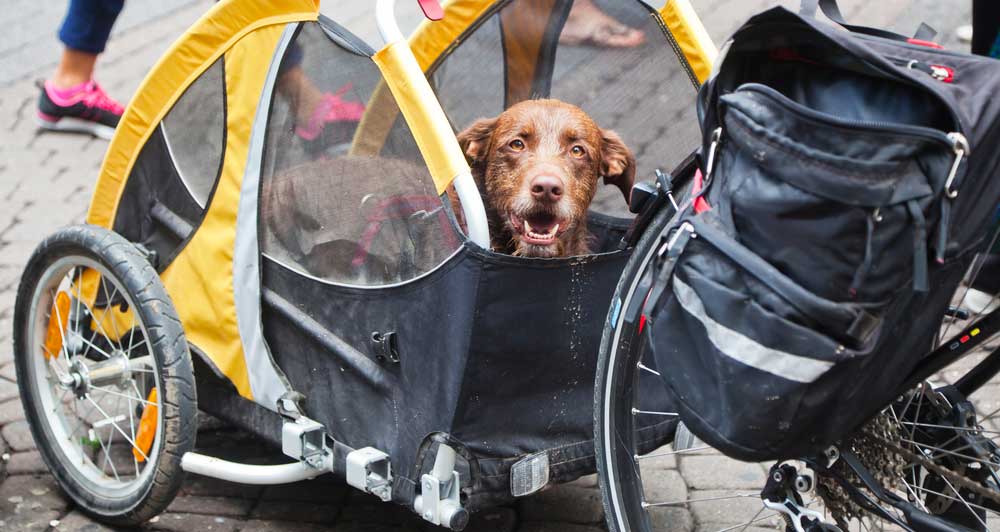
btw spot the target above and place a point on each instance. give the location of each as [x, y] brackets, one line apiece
[555, 229]
[527, 227]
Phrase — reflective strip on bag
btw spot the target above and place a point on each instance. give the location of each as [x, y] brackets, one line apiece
[745, 350]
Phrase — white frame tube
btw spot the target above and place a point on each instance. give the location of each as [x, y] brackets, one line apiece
[465, 186]
[246, 473]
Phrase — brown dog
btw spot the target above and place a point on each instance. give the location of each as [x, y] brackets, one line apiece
[537, 166]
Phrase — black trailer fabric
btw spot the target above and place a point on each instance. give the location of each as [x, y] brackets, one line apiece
[496, 352]
[492, 353]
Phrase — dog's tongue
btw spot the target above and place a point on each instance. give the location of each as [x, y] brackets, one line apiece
[541, 229]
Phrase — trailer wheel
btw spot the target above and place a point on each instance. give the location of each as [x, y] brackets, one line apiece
[104, 373]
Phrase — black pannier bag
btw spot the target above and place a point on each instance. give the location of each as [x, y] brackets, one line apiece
[850, 179]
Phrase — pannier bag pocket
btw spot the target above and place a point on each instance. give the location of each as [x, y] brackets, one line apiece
[842, 207]
[730, 327]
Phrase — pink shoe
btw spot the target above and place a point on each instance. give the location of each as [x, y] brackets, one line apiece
[85, 108]
[332, 108]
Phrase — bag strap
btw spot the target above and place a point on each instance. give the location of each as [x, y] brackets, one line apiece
[807, 8]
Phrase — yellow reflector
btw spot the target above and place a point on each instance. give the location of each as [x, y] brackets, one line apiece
[147, 429]
[974, 332]
[57, 325]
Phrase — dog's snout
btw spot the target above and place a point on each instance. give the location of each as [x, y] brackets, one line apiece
[547, 188]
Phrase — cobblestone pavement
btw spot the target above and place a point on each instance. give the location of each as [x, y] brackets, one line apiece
[45, 183]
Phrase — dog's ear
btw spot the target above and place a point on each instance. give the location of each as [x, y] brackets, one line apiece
[617, 163]
[475, 139]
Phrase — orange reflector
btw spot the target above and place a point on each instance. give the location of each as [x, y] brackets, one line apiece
[57, 325]
[147, 429]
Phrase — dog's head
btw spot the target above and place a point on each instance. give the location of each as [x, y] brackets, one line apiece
[539, 163]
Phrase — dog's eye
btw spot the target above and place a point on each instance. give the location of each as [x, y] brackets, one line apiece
[578, 151]
[516, 144]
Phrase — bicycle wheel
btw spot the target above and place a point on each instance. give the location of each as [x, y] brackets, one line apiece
[105, 374]
[935, 448]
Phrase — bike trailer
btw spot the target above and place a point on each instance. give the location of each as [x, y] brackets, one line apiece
[330, 300]
[850, 180]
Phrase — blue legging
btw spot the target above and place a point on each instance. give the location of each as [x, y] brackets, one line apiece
[88, 24]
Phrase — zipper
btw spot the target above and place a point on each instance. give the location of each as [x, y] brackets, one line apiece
[889, 74]
[939, 72]
[868, 125]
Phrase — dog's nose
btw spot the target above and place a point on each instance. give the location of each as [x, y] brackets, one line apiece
[546, 188]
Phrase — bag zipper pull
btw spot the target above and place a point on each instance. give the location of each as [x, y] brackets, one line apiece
[712, 148]
[866, 263]
[961, 146]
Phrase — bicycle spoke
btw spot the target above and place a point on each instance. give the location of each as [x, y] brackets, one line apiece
[706, 499]
[669, 453]
[636, 411]
[648, 369]
[115, 425]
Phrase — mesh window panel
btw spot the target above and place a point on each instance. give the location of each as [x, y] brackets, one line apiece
[644, 92]
[345, 194]
[194, 131]
[176, 170]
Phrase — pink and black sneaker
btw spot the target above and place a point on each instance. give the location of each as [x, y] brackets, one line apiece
[85, 108]
[332, 123]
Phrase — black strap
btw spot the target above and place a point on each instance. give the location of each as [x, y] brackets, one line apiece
[665, 269]
[942, 230]
[925, 32]
[807, 8]
[920, 276]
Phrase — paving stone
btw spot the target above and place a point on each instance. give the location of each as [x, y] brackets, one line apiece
[256, 525]
[11, 410]
[6, 350]
[8, 390]
[493, 520]
[215, 506]
[295, 511]
[177, 522]
[213, 487]
[719, 472]
[722, 508]
[319, 490]
[587, 481]
[76, 521]
[9, 372]
[556, 527]
[30, 503]
[18, 436]
[570, 504]
[366, 509]
[661, 458]
[671, 520]
[29, 462]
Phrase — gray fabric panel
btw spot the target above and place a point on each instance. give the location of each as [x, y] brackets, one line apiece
[267, 382]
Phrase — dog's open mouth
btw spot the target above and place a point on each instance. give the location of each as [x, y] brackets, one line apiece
[540, 229]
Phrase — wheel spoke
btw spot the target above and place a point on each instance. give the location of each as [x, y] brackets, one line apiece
[117, 428]
[670, 453]
[704, 499]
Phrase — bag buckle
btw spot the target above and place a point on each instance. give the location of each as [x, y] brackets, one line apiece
[961, 146]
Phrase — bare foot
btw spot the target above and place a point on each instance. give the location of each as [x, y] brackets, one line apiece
[588, 25]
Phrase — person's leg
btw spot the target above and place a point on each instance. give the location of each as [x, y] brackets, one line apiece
[985, 26]
[85, 33]
[70, 100]
[587, 24]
